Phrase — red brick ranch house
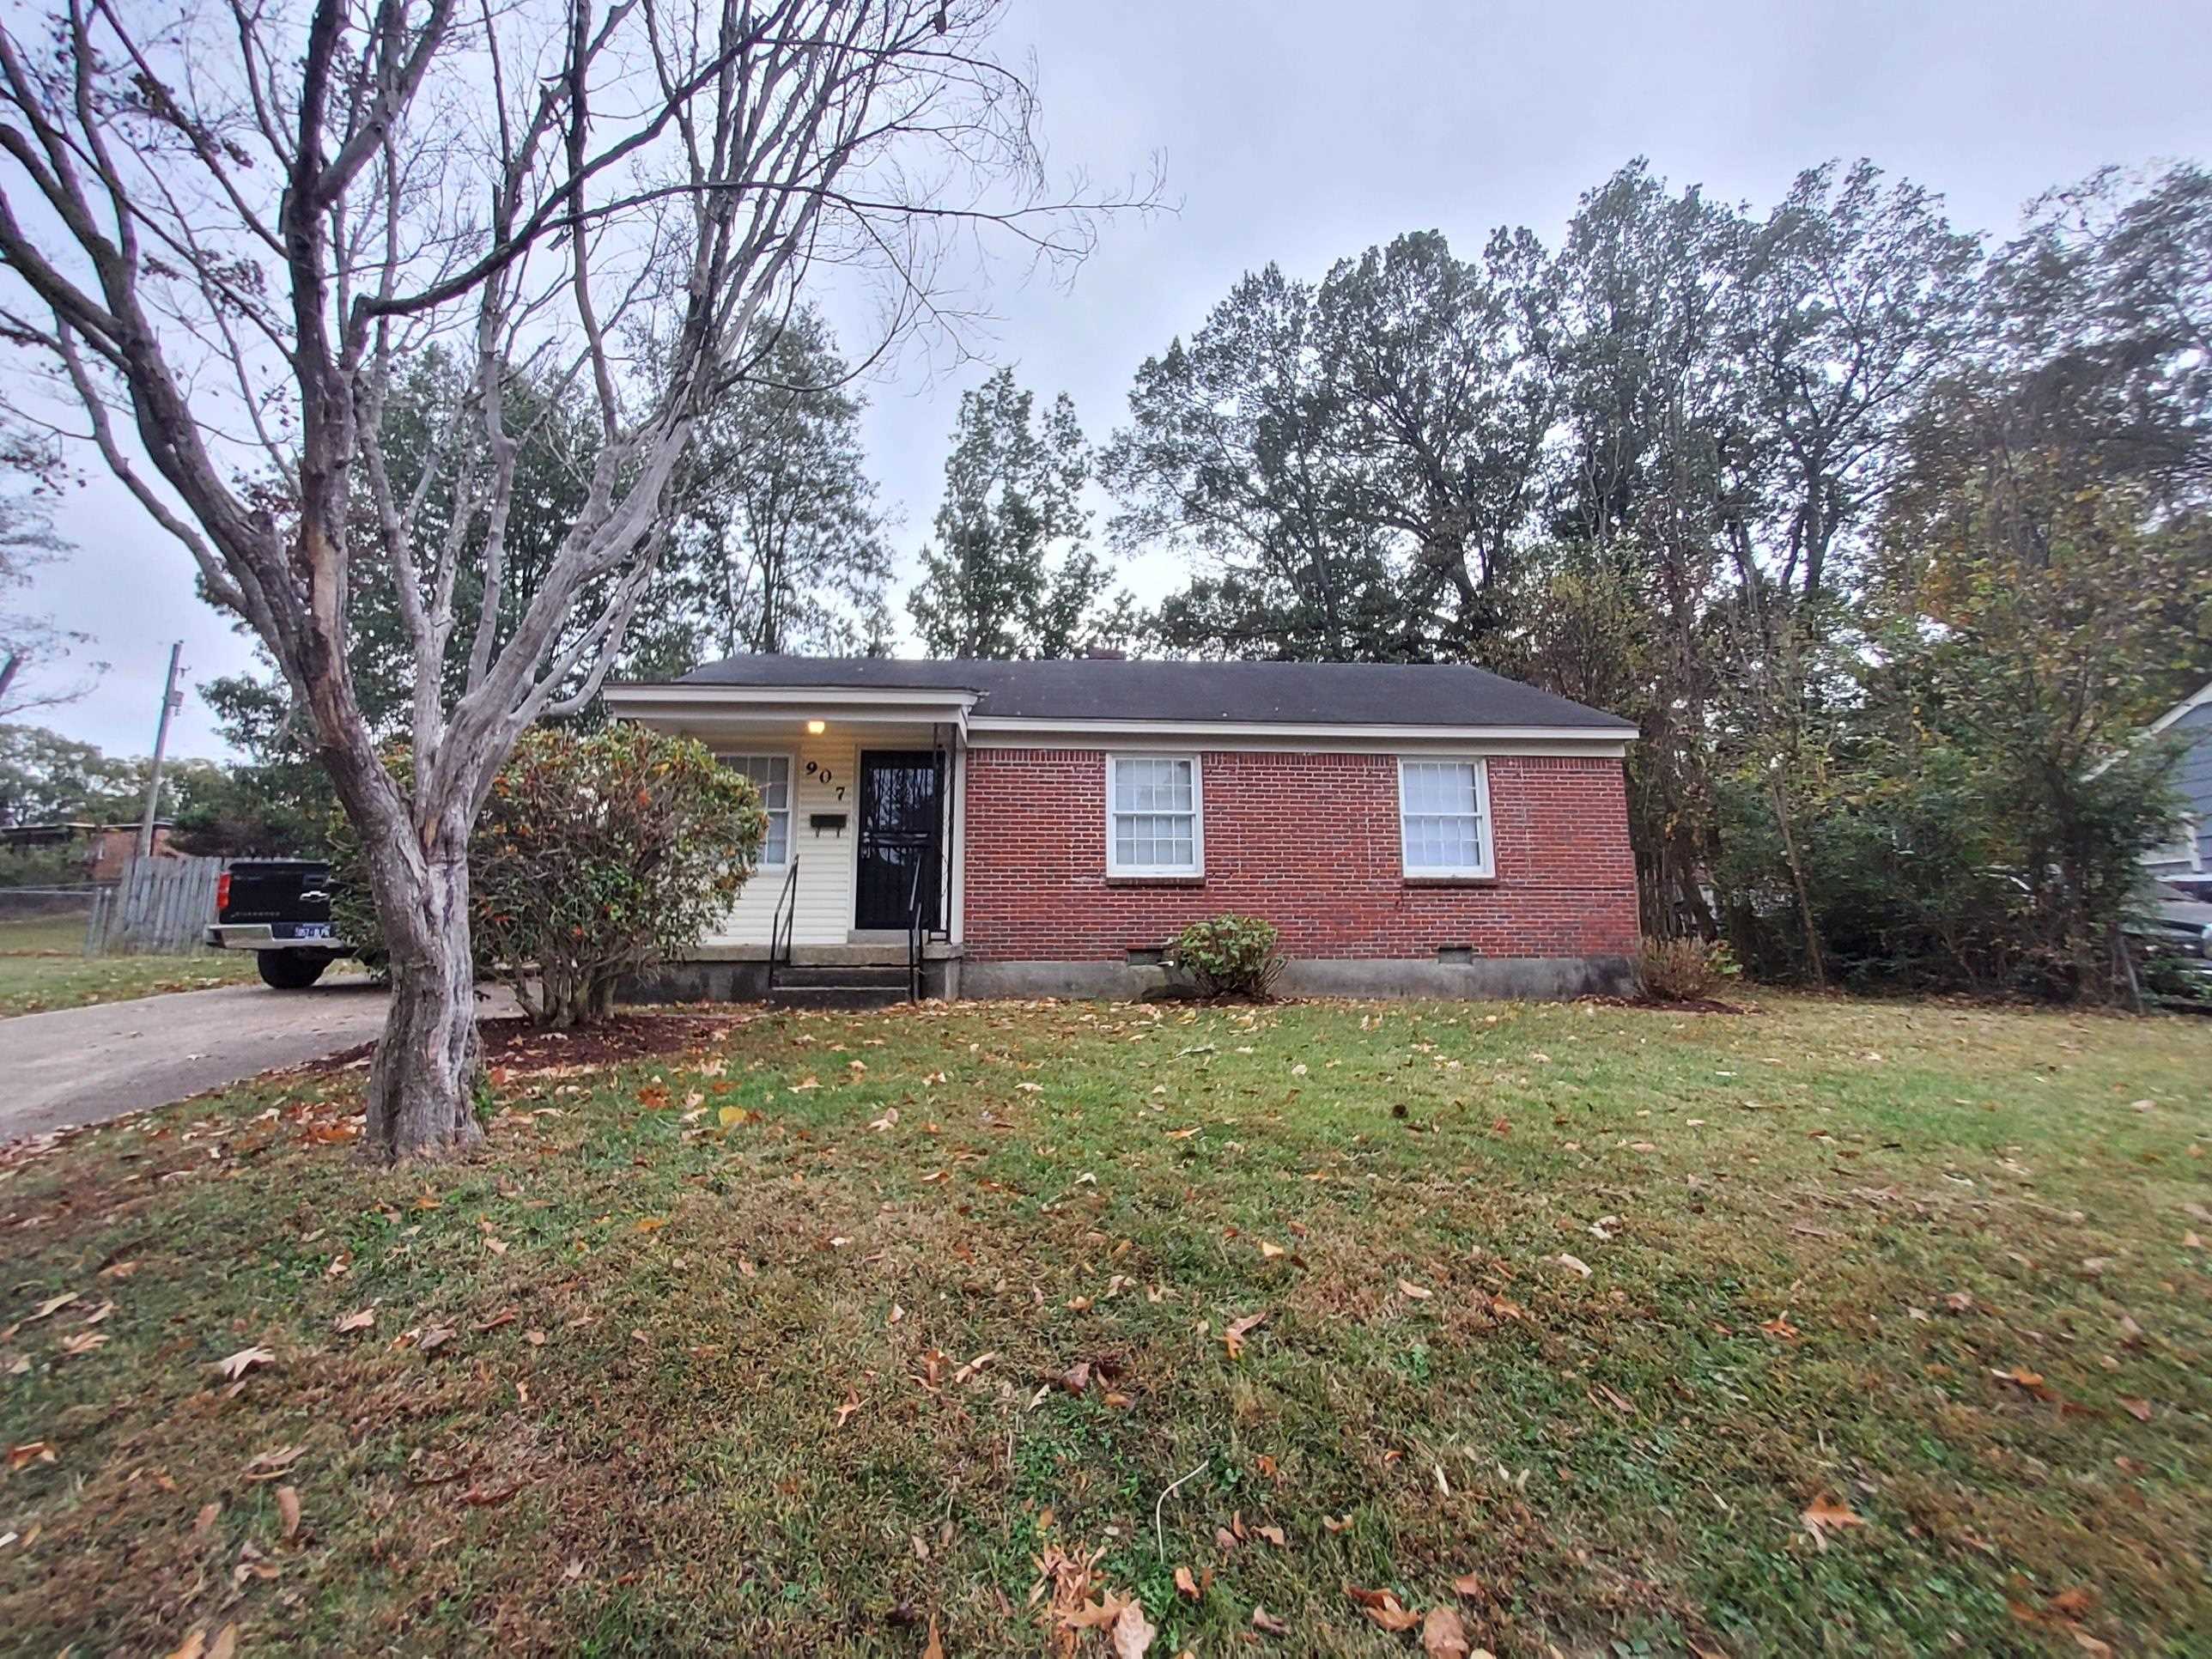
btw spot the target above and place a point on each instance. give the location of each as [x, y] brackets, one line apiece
[1026, 829]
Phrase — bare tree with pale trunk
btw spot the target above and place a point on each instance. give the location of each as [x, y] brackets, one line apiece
[224, 224]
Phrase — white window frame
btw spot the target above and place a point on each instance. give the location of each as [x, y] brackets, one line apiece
[1196, 868]
[1485, 825]
[790, 756]
[2186, 847]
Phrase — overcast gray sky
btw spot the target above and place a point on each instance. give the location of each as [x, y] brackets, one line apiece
[1302, 132]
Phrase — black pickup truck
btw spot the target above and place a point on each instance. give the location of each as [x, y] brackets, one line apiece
[279, 909]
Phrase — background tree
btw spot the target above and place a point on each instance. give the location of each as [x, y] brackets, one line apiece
[297, 206]
[30, 641]
[1439, 390]
[1009, 575]
[778, 545]
[47, 778]
[1841, 510]
[1232, 456]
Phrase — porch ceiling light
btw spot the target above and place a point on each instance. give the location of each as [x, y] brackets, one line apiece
[815, 728]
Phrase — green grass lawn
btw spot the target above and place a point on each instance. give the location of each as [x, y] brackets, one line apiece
[42, 965]
[834, 1330]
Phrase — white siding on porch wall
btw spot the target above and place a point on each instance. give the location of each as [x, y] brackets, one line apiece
[824, 899]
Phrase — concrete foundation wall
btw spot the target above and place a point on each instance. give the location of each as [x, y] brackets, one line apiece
[1536, 978]
[746, 981]
[699, 982]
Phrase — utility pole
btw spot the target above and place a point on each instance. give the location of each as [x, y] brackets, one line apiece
[169, 701]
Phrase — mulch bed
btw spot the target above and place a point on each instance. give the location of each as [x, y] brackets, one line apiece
[513, 1044]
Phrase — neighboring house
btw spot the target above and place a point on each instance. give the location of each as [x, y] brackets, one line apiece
[2186, 860]
[1047, 827]
[106, 847]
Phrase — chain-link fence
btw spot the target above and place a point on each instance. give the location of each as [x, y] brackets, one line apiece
[45, 920]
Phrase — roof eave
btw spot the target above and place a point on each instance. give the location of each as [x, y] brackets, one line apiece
[639, 694]
[1010, 725]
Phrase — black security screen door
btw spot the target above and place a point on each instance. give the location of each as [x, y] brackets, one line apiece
[898, 834]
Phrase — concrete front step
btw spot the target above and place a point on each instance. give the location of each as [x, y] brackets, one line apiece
[799, 974]
[848, 998]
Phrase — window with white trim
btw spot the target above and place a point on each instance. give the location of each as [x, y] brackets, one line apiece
[2183, 848]
[1153, 816]
[1444, 817]
[771, 775]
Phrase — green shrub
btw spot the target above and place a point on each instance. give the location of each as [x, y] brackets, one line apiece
[1228, 955]
[1684, 969]
[595, 854]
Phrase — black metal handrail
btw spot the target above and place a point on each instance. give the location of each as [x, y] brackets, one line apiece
[914, 932]
[783, 926]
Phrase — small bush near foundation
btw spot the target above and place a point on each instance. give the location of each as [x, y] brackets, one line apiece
[1684, 969]
[1228, 955]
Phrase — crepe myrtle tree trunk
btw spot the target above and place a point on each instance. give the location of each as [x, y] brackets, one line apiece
[421, 1084]
[226, 229]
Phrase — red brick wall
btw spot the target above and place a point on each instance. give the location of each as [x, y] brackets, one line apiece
[1310, 842]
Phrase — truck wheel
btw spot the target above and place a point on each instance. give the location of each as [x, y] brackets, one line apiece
[290, 970]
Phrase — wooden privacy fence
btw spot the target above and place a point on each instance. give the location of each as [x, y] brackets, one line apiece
[160, 907]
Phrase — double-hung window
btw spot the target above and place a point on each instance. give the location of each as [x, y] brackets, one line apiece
[1153, 816]
[771, 775]
[1444, 815]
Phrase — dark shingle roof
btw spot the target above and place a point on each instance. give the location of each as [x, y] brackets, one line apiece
[1264, 693]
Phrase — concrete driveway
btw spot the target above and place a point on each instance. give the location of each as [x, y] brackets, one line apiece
[81, 1065]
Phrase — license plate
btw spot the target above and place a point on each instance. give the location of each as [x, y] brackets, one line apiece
[311, 930]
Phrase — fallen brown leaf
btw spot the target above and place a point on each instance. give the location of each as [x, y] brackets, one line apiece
[1384, 1608]
[1825, 1512]
[1443, 1636]
[1267, 1623]
[1131, 1635]
[359, 1320]
[287, 1509]
[272, 1465]
[245, 1360]
[1239, 1330]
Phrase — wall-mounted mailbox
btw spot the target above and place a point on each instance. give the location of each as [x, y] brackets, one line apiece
[833, 822]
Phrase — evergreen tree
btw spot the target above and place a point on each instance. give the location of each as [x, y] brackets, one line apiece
[1009, 575]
